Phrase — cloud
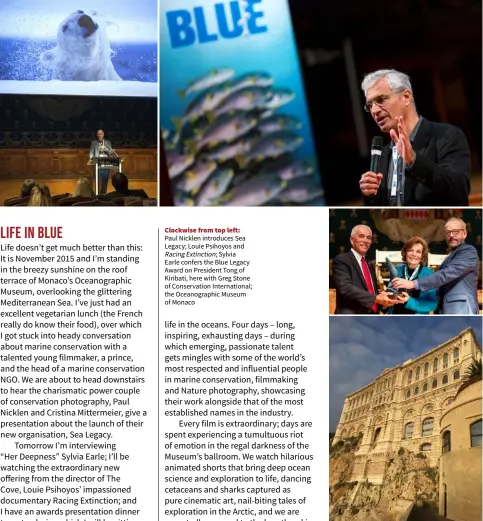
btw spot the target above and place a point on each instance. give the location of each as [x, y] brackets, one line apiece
[360, 348]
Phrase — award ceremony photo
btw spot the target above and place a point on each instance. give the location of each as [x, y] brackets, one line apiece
[405, 261]
[78, 104]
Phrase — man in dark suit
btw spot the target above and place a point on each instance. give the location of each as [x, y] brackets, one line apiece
[426, 164]
[101, 147]
[355, 278]
[457, 277]
[120, 183]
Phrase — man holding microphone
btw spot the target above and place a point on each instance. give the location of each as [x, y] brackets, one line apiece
[426, 164]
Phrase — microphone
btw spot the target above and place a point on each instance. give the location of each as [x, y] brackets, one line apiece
[112, 150]
[376, 151]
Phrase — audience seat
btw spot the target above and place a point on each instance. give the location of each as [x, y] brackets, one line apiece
[143, 202]
[15, 201]
[95, 202]
[58, 197]
[70, 201]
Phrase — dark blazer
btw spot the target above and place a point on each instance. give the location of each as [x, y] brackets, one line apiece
[352, 295]
[457, 280]
[125, 193]
[440, 175]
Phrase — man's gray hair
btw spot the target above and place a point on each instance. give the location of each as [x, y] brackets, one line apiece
[456, 219]
[354, 230]
[396, 80]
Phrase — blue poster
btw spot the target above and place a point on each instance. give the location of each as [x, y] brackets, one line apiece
[233, 112]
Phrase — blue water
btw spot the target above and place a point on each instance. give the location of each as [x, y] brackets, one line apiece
[19, 60]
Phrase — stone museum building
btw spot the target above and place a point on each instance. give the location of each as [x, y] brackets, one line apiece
[408, 406]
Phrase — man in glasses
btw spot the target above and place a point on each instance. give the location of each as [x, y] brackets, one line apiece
[425, 164]
[457, 277]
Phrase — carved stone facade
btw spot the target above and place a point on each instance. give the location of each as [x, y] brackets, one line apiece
[403, 407]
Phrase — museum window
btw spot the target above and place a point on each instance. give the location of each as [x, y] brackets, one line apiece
[376, 434]
[425, 388]
[426, 369]
[445, 360]
[418, 373]
[475, 432]
[425, 447]
[416, 390]
[445, 379]
[435, 365]
[446, 441]
[408, 393]
[434, 384]
[428, 427]
[456, 356]
[410, 377]
[456, 375]
[408, 430]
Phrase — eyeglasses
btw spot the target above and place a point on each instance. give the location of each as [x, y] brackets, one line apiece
[449, 233]
[379, 101]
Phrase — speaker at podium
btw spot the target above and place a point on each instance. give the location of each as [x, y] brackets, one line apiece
[103, 168]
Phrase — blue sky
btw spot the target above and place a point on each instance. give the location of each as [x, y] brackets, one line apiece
[362, 347]
[39, 19]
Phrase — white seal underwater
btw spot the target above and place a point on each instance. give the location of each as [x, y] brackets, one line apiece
[83, 51]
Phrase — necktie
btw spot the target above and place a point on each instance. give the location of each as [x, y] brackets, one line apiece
[368, 279]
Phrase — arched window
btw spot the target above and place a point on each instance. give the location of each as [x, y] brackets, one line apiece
[428, 427]
[418, 373]
[425, 387]
[456, 356]
[456, 375]
[426, 369]
[435, 365]
[376, 434]
[445, 360]
[408, 393]
[445, 379]
[475, 432]
[434, 384]
[410, 377]
[408, 430]
[446, 441]
[416, 390]
[425, 446]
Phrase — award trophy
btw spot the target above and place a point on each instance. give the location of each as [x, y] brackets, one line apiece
[394, 292]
